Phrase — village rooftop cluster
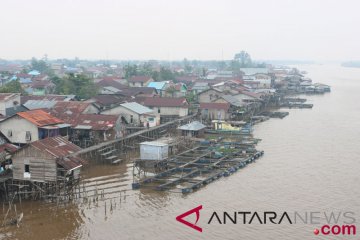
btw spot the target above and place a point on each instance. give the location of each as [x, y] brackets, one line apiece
[49, 110]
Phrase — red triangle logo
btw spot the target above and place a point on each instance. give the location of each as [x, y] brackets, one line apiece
[196, 210]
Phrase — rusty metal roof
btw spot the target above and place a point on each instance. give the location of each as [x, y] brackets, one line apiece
[60, 148]
[96, 121]
[139, 79]
[39, 117]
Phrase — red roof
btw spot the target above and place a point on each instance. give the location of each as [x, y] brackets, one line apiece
[60, 148]
[68, 111]
[24, 99]
[139, 79]
[39, 117]
[107, 100]
[112, 83]
[42, 84]
[96, 121]
[6, 96]
[23, 75]
[8, 147]
[222, 106]
[165, 102]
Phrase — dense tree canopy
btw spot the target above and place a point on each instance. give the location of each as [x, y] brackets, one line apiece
[243, 58]
[79, 85]
[12, 87]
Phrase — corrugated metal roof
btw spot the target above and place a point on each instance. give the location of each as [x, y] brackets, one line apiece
[224, 106]
[60, 148]
[139, 79]
[193, 126]
[95, 121]
[165, 102]
[39, 117]
[158, 85]
[36, 104]
[233, 100]
[6, 96]
[154, 143]
[135, 107]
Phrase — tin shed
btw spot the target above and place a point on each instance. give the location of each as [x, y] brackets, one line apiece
[153, 150]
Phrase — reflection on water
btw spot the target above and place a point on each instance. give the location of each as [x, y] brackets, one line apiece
[311, 163]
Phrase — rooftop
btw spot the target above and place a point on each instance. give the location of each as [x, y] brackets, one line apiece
[137, 108]
[139, 79]
[223, 106]
[60, 148]
[37, 104]
[39, 117]
[6, 96]
[154, 143]
[193, 126]
[95, 121]
[158, 85]
[165, 102]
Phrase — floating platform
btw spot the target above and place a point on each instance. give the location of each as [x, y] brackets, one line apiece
[297, 105]
[275, 114]
[197, 167]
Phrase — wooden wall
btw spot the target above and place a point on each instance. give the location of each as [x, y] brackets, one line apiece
[43, 166]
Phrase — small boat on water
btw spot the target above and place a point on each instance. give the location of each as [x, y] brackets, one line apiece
[223, 127]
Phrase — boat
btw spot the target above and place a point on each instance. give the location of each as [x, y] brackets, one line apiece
[223, 127]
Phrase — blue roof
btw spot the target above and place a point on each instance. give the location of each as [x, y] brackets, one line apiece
[25, 80]
[158, 85]
[34, 72]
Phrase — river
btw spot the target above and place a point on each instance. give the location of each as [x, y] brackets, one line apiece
[311, 163]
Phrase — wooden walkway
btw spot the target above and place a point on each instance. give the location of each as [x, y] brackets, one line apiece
[131, 139]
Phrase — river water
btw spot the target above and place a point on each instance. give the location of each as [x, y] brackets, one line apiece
[311, 164]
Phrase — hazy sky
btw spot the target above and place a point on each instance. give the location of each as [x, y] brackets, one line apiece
[172, 30]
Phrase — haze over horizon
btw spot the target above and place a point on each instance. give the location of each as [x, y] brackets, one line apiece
[168, 30]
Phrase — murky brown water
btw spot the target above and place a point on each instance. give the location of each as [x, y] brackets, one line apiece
[311, 163]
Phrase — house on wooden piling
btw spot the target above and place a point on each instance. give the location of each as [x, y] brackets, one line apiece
[214, 110]
[168, 108]
[134, 114]
[47, 160]
[30, 126]
[193, 129]
[91, 129]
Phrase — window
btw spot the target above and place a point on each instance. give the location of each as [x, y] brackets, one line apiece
[158, 110]
[131, 118]
[9, 133]
[28, 136]
[27, 173]
[142, 84]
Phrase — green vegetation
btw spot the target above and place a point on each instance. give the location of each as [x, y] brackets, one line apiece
[147, 69]
[79, 85]
[12, 87]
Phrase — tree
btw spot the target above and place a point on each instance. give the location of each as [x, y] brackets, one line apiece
[39, 65]
[243, 58]
[130, 70]
[79, 85]
[166, 74]
[171, 90]
[187, 67]
[12, 87]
